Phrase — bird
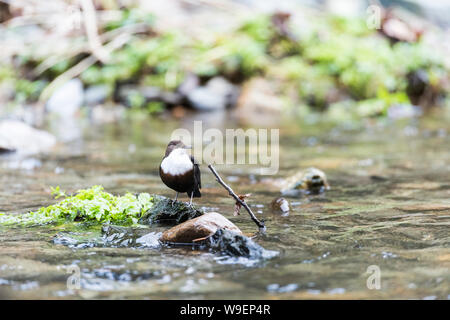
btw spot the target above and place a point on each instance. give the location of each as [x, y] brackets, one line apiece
[180, 171]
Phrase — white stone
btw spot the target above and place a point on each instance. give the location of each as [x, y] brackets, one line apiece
[67, 99]
[20, 137]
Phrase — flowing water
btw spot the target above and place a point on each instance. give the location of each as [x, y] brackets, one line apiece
[388, 210]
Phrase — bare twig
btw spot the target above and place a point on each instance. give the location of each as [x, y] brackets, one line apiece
[80, 67]
[90, 23]
[260, 224]
[84, 47]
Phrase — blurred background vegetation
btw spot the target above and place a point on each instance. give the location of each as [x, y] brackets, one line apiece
[296, 57]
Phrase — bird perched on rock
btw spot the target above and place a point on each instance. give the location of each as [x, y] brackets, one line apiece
[179, 170]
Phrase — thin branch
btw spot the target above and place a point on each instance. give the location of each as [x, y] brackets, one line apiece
[90, 23]
[260, 224]
[80, 67]
[80, 48]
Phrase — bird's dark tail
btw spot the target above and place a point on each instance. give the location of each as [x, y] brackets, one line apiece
[197, 193]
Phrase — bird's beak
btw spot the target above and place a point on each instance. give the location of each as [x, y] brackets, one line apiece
[187, 147]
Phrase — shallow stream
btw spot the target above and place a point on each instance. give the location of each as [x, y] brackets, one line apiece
[388, 207]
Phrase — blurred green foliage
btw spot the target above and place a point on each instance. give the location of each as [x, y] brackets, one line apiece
[128, 17]
[339, 62]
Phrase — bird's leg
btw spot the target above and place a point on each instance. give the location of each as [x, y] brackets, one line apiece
[190, 202]
[175, 200]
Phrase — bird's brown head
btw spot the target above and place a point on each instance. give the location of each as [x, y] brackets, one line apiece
[175, 144]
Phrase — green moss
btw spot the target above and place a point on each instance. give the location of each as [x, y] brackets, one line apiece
[165, 210]
[230, 55]
[259, 28]
[28, 90]
[355, 26]
[93, 204]
[135, 99]
[155, 107]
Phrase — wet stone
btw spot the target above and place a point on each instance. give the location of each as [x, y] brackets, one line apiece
[400, 111]
[125, 95]
[67, 99]
[309, 181]
[111, 236]
[280, 206]
[166, 211]
[214, 232]
[234, 244]
[17, 136]
[217, 94]
[96, 94]
[76, 240]
[198, 228]
[129, 237]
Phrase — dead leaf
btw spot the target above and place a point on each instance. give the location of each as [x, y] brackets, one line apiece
[237, 206]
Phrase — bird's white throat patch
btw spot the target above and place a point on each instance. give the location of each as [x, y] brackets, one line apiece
[178, 162]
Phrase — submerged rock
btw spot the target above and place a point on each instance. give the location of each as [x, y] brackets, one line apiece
[165, 210]
[129, 237]
[311, 180]
[20, 137]
[198, 228]
[280, 206]
[112, 236]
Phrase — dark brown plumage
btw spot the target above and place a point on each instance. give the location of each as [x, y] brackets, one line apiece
[179, 171]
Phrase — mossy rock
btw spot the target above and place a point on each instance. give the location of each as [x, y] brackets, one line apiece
[309, 181]
[167, 211]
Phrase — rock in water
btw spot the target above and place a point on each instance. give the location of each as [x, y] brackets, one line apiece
[259, 100]
[112, 236]
[203, 99]
[217, 94]
[212, 231]
[22, 138]
[280, 206]
[311, 180]
[401, 111]
[138, 96]
[129, 237]
[396, 26]
[96, 94]
[237, 245]
[198, 228]
[215, 232]
[67, 99]
[165, 210]
[190, 83]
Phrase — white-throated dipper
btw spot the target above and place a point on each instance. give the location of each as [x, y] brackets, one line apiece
[179, 170]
